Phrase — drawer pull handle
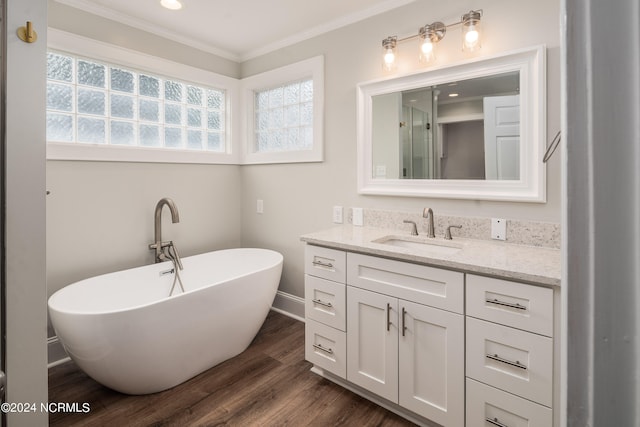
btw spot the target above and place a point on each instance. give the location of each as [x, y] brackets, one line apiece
[404, 328]
[322, 264]
[321, 348]
[506, 304]
[497, 358]
[388, 316]
[322, 303]
[495, 422]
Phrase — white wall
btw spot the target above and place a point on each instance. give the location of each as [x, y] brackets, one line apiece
[100, 215]
[95, 27]
[298, 198]
[24, 239]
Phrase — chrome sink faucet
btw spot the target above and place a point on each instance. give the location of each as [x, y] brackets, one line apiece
[159, 245]
[428, 213]
[414, 227]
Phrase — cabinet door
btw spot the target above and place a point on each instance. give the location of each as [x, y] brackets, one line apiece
[431, 368]
[372, 342]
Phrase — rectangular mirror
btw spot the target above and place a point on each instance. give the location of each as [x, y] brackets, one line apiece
[472, 130]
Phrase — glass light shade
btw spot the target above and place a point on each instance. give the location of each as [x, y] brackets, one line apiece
[389, 53]
[471, 31]
[427, 50]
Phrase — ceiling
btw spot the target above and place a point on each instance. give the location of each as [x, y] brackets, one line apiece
[238, 29]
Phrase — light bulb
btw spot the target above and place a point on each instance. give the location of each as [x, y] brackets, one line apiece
[427, 47]
[389, 57]
[426, 51]
[171, 4]
[471, 37]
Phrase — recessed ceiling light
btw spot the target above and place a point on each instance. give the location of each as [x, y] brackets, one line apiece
[453, 95]
[171, 4]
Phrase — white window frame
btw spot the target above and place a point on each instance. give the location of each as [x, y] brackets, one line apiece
[114, 55]
[312, 68]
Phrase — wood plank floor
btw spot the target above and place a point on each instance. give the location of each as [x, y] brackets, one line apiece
[268, 385]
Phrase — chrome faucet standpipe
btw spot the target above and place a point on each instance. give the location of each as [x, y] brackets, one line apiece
[159, 245]
[428, 213]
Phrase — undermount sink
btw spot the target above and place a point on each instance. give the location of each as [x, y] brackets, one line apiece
[421, 244]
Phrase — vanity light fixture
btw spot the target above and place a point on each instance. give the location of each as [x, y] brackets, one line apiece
[471, 30]
[389, 53]
[431, 34]
[171, 4]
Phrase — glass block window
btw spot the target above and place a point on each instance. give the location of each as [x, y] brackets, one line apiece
[92, 102]
[284, 117]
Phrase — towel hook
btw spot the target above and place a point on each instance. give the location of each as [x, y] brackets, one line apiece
[27, 34]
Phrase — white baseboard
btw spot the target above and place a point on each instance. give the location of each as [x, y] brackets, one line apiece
[289, 305]
[56, 353]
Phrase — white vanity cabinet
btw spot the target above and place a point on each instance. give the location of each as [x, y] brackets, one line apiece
[509, 353]
[400, 348]
[434, 345]
[325, 309]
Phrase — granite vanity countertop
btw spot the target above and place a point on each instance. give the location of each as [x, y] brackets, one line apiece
[490, 257]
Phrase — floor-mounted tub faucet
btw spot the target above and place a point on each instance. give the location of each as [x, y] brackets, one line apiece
[159, 245]
[428, 213]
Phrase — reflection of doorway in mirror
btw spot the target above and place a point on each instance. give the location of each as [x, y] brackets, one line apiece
[417, 160]
[502, 137]
[462, 150]
[415, 144]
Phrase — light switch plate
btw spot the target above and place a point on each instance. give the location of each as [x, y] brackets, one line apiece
[259, 206]
[358, 217]
[337, 214]
[498, 229]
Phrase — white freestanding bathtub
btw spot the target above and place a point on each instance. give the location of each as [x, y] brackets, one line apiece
[125, 331]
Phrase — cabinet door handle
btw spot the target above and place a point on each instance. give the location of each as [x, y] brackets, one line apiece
[322, 303]
[505, 304]
[495, 422]
[404, 328]
[321, 348]
[497, 358]
[322, 264]
[388, 317]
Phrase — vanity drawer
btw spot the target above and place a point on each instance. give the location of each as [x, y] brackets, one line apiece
[510, 359]
[326, 263]
[488, 406]
[509, 303]
[326, 347]
[325, 301]
[430, 286]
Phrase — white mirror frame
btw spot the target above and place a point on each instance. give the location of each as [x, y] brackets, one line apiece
[531, 187]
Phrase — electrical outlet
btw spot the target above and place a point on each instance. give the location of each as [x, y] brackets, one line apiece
[259, 206]
[337, 214]
[357, 217]
[498, 229]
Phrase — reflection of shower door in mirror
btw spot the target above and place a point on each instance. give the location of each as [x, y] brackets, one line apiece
[416, 151]
[502, 137]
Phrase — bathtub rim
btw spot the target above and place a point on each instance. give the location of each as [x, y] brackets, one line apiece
[51, 308]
